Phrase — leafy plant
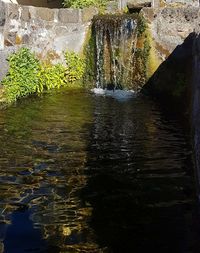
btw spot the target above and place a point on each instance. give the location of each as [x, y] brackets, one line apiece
[75, 67]
[21, 79]
[28, 75]
[50, 77]
[80, 4]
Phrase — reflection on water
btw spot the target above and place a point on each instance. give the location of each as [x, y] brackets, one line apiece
[86, 173]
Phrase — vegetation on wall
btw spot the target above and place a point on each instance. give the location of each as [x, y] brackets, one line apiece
[75, 66]
[142, 52]
[80, 4]
[21, 79]
[27, 75]
[89, 55]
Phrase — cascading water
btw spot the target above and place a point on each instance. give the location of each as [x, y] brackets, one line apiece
[116, 38]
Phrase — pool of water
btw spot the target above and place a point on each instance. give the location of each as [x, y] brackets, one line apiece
[85, 172]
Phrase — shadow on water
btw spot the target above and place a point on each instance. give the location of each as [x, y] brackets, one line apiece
[140, 183]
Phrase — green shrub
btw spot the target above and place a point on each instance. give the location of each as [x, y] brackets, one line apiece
[79, 4]
[26, 75]
[50, 77]
[21, 79]
[75, 67]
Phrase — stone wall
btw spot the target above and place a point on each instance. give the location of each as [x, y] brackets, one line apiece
[171, 32]
[48, 32]
[169, 27]
[160, 3]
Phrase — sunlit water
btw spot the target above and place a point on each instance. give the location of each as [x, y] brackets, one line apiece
[104, 172]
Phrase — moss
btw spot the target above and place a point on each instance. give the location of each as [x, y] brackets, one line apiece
[154, 60]
[89, 55]
[142, 53]
[142, 25]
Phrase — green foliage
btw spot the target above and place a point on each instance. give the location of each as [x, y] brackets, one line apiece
[21, 79]
[75, 67]
[50, 77]
[27, 75]
[80, 4]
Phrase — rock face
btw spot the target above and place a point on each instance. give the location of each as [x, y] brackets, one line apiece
[48, 32]
[172, 34]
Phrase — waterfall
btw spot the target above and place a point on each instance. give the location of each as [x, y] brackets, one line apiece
[116, 38]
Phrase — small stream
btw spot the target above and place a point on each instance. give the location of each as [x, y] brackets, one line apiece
[84, 172]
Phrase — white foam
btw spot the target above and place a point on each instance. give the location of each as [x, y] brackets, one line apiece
[117, 94]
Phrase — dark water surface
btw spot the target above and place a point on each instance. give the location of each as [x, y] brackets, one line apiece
[85, 173]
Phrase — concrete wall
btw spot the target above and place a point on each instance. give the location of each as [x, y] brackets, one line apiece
[48, 32]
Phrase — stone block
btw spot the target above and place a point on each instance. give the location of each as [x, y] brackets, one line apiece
[45, 14]
[88, 14]
[25, 13]
[12, 11]
[2, 13]
[69, 15]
